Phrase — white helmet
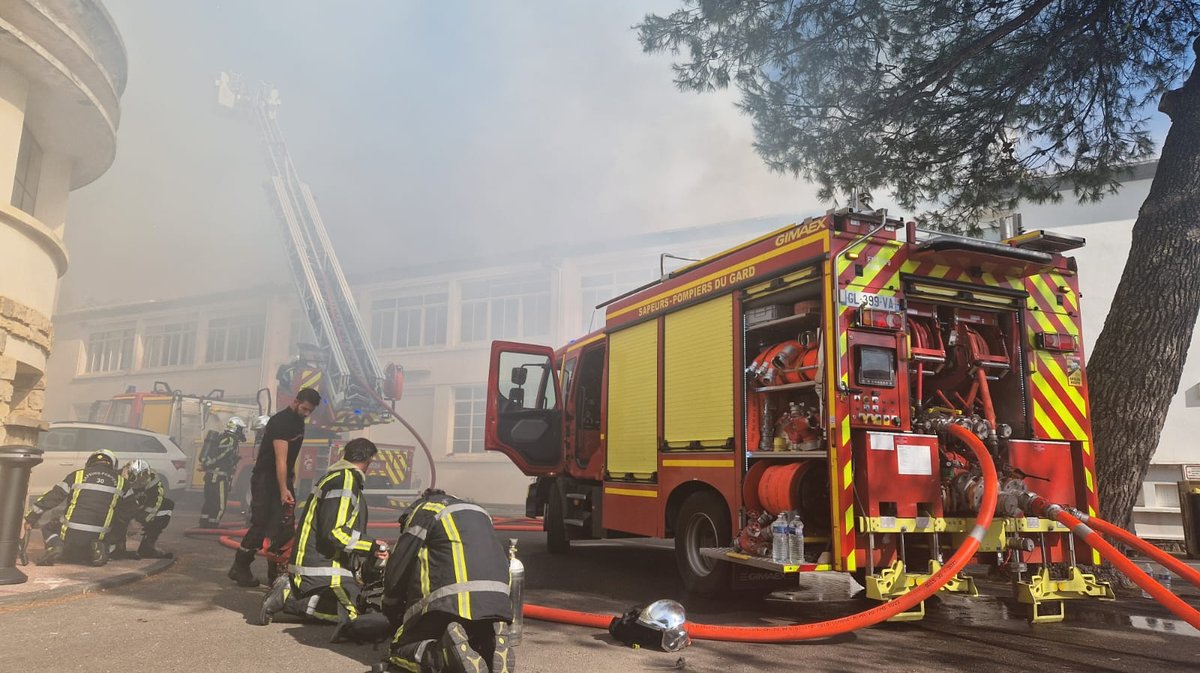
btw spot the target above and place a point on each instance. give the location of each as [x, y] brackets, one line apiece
[261, 422]
[138, 472]
[235, 424]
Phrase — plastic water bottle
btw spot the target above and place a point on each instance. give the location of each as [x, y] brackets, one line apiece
[1149, 570]
[779, 541]
[1162, 576]
[795, 539]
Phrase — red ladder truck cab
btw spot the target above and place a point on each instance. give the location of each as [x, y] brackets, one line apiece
[803, 376]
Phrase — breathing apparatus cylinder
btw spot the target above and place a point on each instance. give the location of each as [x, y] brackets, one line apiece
[516, 591]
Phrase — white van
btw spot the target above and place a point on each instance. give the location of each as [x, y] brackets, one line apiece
[66, 446]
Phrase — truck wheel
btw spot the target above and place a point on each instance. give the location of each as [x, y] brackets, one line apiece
[703, 522]
[558, 538]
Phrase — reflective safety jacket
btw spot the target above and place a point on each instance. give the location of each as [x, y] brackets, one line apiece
[150, 498]
[223, 458]
[332, 531]
[96, 495]
[448, 559]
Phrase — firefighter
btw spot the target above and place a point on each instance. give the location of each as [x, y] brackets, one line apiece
[153, 511]
[271, 483]
[332, 543]
[96, 495]
[218, 462]
[446, 590]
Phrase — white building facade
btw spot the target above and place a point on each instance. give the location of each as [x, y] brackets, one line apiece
[438, 321]
[62, 73]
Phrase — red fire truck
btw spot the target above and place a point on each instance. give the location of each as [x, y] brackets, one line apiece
[807, 372]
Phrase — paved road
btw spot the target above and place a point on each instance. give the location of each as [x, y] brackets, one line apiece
[190, 618]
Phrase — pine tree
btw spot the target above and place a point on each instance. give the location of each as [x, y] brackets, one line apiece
[967, 107]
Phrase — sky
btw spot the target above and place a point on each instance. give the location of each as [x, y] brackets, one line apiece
[427, 131]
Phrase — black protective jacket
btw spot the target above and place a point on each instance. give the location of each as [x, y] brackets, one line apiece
[222, 458]
[332, 531]
[448, 560]
[96, 495]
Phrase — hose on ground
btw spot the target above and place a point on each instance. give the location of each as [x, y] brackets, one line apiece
[1175, 604]
[832, 627]
[815, 630]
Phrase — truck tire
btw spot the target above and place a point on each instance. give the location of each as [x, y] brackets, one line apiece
[558, 538]
[703, 521]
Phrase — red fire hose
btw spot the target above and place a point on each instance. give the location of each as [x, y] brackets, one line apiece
[833, 627]
[1175, 604]
[1163, 558]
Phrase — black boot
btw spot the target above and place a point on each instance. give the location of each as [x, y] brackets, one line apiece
[120, 553]
[148, 550]
[240, 572]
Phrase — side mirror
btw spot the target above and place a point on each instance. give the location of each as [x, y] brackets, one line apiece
[518, 375]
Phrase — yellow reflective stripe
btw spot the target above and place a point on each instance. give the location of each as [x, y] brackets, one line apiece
[697, 463]
[631, 491]
[71, 506]
[112, 504]
[423, 556]
[344, 598]
[1044, 420]
[458, 553]
[847, 475]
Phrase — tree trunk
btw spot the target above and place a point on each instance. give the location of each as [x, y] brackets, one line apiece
[1135, 368]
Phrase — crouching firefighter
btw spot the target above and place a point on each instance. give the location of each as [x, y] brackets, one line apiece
[96, 496]
[218, 460]
[331, 544]
[446, 590]
[153, 510]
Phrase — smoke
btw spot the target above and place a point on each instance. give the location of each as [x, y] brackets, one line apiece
[427, 131]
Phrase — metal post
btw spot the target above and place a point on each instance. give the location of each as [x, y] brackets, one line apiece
[15, 464]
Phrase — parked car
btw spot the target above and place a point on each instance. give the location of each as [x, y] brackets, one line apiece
[67, 444]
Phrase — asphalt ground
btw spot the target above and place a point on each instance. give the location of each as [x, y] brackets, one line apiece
[189, 617]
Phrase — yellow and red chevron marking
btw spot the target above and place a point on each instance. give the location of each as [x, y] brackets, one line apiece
[1057, 380]
[393, 463]
[309, 378]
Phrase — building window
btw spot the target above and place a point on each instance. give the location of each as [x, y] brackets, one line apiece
[234, 339]
[410, 321]
[469, 404]
[505, 308]
[170, 345]
[29, 172]
[109, 351]
[600, 287]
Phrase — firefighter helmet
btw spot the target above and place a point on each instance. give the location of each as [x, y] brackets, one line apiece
[102, 455]
[668, 617]
[137, 472]
[235, 424]
[261, 422]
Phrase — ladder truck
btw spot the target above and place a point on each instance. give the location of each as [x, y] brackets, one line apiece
[342, 366]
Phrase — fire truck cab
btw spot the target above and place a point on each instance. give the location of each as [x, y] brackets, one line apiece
[806, 372]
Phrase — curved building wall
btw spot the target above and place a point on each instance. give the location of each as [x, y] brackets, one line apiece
[62, 72]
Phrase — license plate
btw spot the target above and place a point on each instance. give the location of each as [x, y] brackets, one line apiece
[869, 300]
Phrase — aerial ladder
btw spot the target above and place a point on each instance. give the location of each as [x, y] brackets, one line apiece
[344, 368]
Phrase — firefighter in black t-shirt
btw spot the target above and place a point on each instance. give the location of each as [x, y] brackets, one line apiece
[272, 483]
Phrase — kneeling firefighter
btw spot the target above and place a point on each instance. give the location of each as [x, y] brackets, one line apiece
[154, 510]
[446, 590]
[96, 495]
[331, 544]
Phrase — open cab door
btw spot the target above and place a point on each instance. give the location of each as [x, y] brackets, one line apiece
[524, 412]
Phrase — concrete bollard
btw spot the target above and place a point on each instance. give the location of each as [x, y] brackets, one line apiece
[15, 464]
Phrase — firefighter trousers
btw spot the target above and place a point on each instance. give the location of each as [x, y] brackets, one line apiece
[216, 495]
[410, 646]
[152, 526]
[74, 547]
